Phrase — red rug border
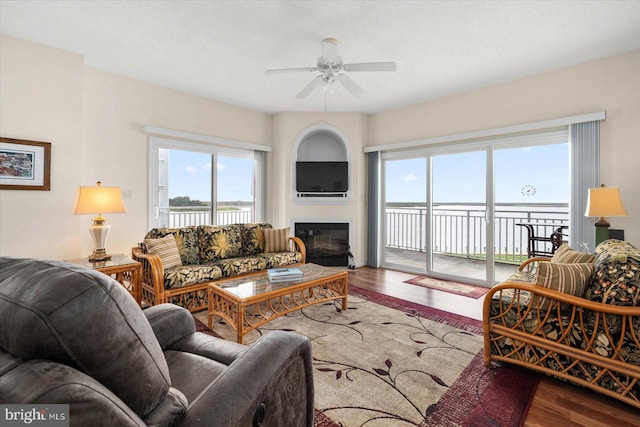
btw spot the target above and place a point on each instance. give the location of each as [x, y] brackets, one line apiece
[475, 295]
[461, 322]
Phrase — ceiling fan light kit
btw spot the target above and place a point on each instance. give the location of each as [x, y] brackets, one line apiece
[332, 69]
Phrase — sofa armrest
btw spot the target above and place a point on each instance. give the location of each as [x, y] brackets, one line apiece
[298, 246]
[530, 263]
[170, 323]
[272, 379]
[152, 274]
[208, 346]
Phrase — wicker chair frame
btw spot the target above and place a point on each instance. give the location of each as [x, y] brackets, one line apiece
[522, 317]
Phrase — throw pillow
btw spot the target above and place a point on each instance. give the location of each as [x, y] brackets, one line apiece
[276, 240]
[616, 274]
[567, 255]
[166, 248]
[219, 242]
[186, 239]
[571, 279]
[253, 238]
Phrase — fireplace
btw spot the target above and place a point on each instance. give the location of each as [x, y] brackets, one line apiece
[327, 243]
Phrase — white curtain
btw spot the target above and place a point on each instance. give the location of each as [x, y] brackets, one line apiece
[585, 165]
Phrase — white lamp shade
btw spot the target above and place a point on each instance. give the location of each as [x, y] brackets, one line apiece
[99, 200]
[605, 201]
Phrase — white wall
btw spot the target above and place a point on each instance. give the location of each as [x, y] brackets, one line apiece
[94, 121]
[41, 100]
[611, 84]
[287, 128]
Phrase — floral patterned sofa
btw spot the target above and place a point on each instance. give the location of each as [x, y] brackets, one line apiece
[179, 263]
[572, 318]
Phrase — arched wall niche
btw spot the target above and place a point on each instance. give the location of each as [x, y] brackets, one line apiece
[321, 143]
[322, 146]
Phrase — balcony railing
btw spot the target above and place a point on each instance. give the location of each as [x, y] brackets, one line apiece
[186, 216]
[458, 229]
[461, 229]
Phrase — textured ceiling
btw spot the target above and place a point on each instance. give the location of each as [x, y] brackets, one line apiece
[220, 49]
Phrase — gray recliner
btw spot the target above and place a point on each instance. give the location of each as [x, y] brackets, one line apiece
[73, 335]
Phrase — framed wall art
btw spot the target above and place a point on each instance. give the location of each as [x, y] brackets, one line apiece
[24, 165]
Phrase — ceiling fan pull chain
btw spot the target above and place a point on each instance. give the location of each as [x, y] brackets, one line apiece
[325, 98]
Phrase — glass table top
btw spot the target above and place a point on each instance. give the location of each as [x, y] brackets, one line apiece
[116, 260]
[250, 286]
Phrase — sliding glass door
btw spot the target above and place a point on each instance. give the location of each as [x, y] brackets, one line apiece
[469, 212]
[532, 187]
[405, 213]
[459, 215]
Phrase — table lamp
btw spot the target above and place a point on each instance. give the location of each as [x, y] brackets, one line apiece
[601, 202]
[99, 200]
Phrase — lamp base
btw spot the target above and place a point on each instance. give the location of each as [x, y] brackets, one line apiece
[602, 234]
[99, 255]
[99, 233]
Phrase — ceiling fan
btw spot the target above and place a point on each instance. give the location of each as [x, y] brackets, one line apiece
[333, 70]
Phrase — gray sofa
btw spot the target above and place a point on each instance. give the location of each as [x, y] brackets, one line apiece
[74, 336]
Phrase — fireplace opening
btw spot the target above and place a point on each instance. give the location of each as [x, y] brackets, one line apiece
[327, 243]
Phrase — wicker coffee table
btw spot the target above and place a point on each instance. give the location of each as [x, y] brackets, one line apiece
[249, 302]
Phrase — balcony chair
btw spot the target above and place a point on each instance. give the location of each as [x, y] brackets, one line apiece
[541, 246]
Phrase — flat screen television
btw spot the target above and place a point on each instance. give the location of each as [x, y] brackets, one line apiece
[322, 177]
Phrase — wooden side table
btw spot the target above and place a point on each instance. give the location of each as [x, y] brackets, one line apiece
[126, 271]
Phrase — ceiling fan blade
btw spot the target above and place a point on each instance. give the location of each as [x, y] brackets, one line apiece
[330, 50]
[371, 66]
[310, 87]
[291, 70]
[351, 86]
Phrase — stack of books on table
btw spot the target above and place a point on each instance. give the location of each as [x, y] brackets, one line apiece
[277, 275]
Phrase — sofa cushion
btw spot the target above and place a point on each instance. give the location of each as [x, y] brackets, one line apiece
[166, 248]
[253, 238]
[219, 242]
[521, 276]
[192, 373]
[276, 240]
[279, 259]
[185, 275]
[616, 276]
[186, 239]
[242, 265]
[567, 255]
[571, 279]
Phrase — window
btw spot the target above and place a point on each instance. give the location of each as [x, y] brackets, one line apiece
[202, 184]
[454, 210]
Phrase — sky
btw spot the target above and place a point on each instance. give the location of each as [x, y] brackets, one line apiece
[537, 174]
[190, 175]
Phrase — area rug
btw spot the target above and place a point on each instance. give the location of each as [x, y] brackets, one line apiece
[388, 362]
[452, 287]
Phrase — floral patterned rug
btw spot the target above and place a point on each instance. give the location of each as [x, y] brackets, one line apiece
[388, 362]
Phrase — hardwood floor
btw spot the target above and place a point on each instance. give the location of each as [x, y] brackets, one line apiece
[555, 403]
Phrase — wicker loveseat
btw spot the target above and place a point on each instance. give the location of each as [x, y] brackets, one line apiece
[210, 253]
[590, 338]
